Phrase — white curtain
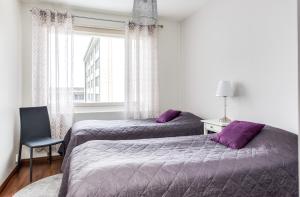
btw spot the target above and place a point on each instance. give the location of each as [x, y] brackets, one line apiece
[52, 67]
[141, 71]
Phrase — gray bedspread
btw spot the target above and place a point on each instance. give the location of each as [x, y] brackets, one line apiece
[184, 166]
[184, 125]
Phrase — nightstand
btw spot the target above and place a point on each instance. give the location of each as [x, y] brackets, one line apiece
[213, 125]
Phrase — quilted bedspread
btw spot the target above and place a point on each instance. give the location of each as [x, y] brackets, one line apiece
[184, 166]
[184, 125]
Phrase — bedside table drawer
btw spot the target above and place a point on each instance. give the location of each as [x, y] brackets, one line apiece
[214, 128]
[213, 125]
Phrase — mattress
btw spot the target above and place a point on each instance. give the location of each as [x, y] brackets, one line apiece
[184, 166]
[184, 125]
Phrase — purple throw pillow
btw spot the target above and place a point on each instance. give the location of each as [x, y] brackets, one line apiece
[168, 116]
[238, 134]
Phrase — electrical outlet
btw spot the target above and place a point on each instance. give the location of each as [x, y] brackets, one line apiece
[17, 155]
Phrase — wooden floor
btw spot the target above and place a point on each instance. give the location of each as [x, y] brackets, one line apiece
[40, 170]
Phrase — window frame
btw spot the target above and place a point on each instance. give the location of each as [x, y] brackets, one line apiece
[95, 31]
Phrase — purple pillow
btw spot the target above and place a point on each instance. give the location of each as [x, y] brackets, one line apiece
[168, 116]
[238, 134]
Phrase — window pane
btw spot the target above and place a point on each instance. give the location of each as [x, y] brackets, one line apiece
[99, 68]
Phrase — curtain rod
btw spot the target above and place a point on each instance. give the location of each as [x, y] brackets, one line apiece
[98, 19]
[102, 19]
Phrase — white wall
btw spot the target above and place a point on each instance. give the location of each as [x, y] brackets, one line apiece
[10, 88]
[252, 43]
[168, 60]
[169, 63]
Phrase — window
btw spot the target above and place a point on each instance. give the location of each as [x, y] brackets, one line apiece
[97, 97]
[99, 66]
[97, 63]
[97, 80]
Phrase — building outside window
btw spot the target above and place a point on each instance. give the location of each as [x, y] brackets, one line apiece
[97, 82]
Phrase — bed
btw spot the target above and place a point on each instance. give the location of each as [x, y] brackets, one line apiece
[184, 166]
[184, 125]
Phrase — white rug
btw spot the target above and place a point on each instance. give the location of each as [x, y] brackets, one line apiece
[46, 187]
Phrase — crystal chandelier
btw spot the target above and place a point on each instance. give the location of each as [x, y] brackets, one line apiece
[145, 12]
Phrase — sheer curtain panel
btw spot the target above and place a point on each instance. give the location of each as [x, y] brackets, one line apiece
[52, 67]
[141, 71]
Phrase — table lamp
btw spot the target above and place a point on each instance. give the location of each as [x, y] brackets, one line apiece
[224, 90]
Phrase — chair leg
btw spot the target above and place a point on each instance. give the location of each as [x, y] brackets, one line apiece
[64, 146]
[30, 168]
[50, 154]
[19, 156]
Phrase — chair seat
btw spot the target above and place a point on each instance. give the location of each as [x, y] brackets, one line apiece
[41, 142]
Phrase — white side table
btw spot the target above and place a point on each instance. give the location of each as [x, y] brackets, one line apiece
[213, 125]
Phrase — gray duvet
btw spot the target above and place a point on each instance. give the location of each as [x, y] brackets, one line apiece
[184, 125]
[184, 166]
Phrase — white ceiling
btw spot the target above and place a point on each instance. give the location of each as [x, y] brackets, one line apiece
[174, 9]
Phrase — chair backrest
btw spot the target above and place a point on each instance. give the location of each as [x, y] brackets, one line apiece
[35, 123]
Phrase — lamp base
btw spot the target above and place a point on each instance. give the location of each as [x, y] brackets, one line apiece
[225, 120]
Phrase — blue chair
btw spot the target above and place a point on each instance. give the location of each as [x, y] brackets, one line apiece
[35, 132]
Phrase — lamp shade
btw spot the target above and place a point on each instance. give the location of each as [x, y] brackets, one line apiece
[224, 89]
[144, 12]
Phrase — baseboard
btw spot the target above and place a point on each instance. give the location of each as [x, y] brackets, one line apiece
[26, 162]
[13, 172]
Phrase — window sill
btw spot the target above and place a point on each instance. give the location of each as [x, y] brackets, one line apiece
[112, 104]
[98, 108]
